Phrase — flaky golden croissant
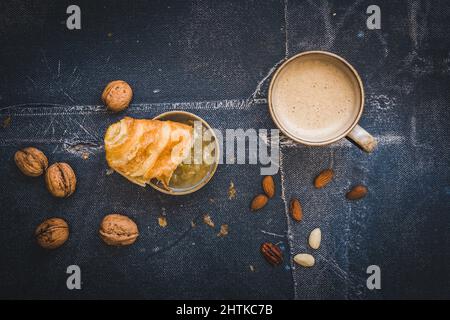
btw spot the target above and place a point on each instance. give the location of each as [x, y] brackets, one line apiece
[141, 149]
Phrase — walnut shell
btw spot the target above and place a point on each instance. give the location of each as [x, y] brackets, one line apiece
[31, 161]
[60, 180]
[117, 95]
[118, 230]
[52, 233]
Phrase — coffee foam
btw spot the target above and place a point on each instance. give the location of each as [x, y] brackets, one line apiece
[316, 98]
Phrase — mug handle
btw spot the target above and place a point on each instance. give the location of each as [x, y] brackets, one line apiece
[362, 138]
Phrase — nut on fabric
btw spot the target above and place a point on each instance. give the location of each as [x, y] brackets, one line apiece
[60, 180]
[272, 253]
[117, 95]
[258, 202]
[268, 186]
[31, 161]
[52, 233]
[118, 230]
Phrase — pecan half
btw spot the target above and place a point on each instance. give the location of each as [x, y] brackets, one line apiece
[272, 253]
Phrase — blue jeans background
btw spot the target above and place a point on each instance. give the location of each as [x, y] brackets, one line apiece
[216, 59]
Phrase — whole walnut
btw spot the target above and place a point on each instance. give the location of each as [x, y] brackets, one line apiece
[60, 180]
[118, 230]
[117, 95]
[52, 233]
[31, 161]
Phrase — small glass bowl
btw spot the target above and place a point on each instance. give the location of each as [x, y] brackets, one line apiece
[188, 118]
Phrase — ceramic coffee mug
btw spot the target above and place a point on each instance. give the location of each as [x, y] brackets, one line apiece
[317, 98]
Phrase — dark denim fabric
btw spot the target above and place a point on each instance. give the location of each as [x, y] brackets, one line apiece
[215, 58]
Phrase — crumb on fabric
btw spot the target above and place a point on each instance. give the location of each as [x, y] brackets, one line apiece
[6, 122]
[208, 221]
[223, 230]
[162, 222]
[231, 191]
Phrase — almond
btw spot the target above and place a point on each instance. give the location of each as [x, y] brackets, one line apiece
[272, 253]
[296, 210]
[323, 178]
[357, 192]
[259, 202]
[315, 237]
[268, 186]
[304, 259]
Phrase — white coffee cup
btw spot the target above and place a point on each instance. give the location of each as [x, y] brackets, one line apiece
[317, 98]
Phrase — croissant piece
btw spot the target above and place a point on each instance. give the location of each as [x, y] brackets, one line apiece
[141, 149]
